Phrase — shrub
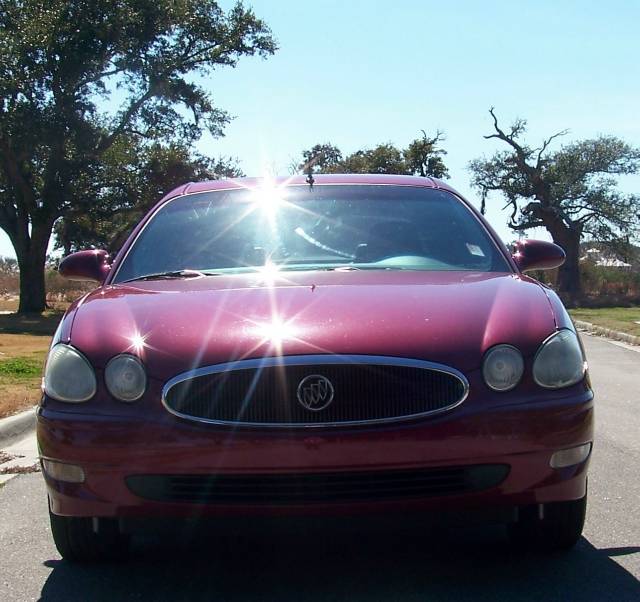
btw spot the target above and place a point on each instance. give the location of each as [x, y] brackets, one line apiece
[604, 281]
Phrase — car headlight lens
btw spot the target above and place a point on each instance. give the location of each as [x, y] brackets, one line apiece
[125, 377]
[68, 375]
[559, 361]
[502, 367]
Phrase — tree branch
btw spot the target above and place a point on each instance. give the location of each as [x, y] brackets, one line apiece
[14, 173]
[127, 116]
[99, 76]
[526, 225]
[7, 218]
[545, 145]
[521, 154]
[500, 135]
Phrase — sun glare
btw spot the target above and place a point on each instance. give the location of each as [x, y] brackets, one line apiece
[268, 198]
[269, 272]
[275, 332]
[137, 341]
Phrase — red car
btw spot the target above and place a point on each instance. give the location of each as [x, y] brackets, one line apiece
[337, 346]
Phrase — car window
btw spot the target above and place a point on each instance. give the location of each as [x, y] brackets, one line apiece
[298, 227]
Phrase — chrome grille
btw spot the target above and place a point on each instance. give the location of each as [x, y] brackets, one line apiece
[265, 392]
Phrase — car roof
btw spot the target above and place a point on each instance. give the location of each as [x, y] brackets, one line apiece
[300, 180]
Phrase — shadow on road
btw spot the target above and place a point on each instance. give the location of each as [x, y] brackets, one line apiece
[454, 565]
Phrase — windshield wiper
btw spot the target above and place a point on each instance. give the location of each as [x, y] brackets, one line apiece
[171, 275]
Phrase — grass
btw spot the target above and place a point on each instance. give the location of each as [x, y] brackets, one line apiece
[24, 342]
[622, 319]
[20, 367]
[20, 376]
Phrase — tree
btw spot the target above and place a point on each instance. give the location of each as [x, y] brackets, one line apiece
[572, 192]
[59, 63]
[384, 158]
[321, 158]
[133, 177]
[422, 157]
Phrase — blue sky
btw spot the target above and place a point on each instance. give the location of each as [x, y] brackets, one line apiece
[359, 73]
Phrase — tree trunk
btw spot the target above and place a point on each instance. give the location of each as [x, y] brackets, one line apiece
[32, 255]
[569, 285]
[32, 289]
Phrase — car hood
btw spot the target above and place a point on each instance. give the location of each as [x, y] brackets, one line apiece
[446, 317]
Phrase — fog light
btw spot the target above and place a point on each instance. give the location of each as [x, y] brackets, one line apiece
[571, 456]
[69, 473]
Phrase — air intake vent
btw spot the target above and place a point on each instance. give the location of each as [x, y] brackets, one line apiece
[317, 487]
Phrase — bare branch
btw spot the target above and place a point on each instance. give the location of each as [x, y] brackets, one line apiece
[526, 225]
[514, 209]
[439, 137]
[588, 216]
[500, 135]
[545, 144]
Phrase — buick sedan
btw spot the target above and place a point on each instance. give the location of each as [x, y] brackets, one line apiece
[337, 346]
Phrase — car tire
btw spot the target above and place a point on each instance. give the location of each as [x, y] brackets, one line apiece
[77, 541]
[560, 529]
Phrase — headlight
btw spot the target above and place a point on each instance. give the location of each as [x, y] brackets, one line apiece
[502, 367]
[559, 361]
[68, 375]
[125, 377]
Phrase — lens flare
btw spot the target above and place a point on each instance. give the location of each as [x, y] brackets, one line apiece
[269, 272]
[275, 332]
[138, 342]
[268, 198]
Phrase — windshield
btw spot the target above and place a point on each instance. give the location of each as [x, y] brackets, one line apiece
[324, 227]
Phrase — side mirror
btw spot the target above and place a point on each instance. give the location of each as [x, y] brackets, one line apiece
[537, 255]
[86, 265]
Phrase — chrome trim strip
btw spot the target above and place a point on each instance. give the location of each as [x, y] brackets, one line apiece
[313, 360]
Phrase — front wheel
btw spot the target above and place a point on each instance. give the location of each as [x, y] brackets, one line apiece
[77, 541]
[559, 529]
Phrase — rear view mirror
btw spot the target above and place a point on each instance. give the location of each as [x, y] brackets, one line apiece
[86, 265]
[537, 255]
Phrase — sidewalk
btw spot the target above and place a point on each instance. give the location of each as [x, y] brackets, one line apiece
[18, 446]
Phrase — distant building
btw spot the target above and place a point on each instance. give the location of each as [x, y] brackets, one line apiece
[603, 257]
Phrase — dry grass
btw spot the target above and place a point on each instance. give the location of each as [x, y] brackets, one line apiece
[20, 469]
[622, 319]
[5, 457]
[8, 303]
[24, 341]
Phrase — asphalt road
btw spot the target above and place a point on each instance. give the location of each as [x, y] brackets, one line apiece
[455, 565]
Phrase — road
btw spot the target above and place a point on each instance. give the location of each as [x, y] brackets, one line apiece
[456, 565]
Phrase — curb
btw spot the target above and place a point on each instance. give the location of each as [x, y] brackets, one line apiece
[17, 426]
[607, 332]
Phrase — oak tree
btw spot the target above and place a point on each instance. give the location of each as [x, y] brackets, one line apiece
[423, 157]
[76, 77]
[572, 191]
[132, 178]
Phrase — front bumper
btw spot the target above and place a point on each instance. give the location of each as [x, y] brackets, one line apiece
[110, 449]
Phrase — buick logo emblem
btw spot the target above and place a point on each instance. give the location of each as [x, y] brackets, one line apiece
[315, 392]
